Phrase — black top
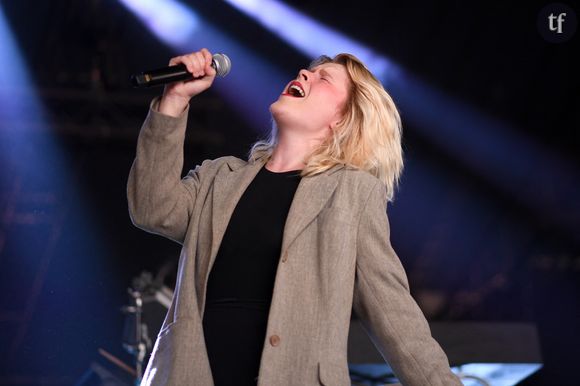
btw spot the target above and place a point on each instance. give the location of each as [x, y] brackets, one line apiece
[241, 280]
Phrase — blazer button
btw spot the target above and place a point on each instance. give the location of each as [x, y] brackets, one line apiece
[285, 257]
[274, 340]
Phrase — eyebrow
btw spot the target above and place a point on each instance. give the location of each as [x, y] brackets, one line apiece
[325, 72]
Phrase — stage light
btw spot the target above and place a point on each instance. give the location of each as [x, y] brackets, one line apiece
[253, 83]
[509, 160]
[488, 146]
[17, 100]
[311, 37]
[51, 251]
[13, 77]
[171, 21]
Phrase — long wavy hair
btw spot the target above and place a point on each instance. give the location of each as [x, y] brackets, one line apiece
[368, 137]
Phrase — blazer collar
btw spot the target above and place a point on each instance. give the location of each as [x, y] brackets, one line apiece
[231, 182]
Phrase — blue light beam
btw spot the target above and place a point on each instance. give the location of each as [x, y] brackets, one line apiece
[17, 102]
[57, 225]
[253, 83]
[527, 170]
[311, 37]
[172, 22]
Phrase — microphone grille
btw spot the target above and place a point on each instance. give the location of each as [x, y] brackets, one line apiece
[222, 64]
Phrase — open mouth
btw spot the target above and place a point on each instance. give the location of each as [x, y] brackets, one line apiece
[295, 89]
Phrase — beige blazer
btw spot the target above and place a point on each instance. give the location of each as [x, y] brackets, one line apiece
[335, 255]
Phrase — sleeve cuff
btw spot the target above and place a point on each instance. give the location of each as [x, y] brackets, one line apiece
[154, 106]
[163, 123]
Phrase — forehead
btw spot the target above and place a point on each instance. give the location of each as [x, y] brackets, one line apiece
[331, 68]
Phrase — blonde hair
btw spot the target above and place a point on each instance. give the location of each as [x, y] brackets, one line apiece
[368, 137]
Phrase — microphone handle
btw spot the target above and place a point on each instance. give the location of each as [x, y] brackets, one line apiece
[161, 76]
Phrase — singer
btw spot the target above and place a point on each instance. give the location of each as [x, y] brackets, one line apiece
[279, 248]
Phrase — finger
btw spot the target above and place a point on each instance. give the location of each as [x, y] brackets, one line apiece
[198, 65]
[183, 59]
[209, 70]
[207, 56]
[190, 63]
[205, 60]
[175, 61]
[195, 66]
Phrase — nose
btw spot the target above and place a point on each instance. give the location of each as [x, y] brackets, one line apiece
[304, 74]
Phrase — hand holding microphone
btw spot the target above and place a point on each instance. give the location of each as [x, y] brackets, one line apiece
[187, 76]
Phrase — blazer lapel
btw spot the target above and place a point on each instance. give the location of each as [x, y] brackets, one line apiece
[229, 185]
[309, 199]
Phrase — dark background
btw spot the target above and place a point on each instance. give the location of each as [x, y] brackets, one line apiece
[473, 250]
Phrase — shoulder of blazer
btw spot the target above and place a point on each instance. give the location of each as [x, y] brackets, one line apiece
[232, 162]
[348, 173]
[359, 177]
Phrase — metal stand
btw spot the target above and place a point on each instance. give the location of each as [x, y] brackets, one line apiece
[136, 338]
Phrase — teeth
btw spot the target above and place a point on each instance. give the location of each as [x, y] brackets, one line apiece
[297, 89]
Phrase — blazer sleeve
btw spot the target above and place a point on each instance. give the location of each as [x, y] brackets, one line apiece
[160, 201]
[385, 307]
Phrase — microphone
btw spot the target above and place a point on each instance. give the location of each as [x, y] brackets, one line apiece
[220, 63]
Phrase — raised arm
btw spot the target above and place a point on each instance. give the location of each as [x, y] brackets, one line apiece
[160, 201]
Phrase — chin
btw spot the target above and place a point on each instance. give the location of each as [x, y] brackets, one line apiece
[277, 110]
[285, 114]
[278, 102]
[273, 106]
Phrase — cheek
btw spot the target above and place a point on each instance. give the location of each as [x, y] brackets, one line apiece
[325, 113]
[331, 101]
[334, 99]
[336, 107]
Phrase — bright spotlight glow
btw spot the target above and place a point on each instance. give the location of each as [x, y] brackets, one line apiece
[498, 152]
[47, 219]
[15, 89]
[169, 20]
[311, 37]
[512, 161]
[495, 374]
[258, 91]
[492, 148]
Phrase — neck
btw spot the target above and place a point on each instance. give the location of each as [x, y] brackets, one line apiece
[292, 151]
